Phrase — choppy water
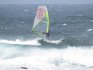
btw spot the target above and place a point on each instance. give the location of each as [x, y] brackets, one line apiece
[69, 47]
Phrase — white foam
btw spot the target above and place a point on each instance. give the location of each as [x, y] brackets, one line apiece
[54, 41]
[52, 59]
[17, 41]
[64, 24]
[82, 56]
[89, 30]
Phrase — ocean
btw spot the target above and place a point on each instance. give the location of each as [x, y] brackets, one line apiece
[69, 46]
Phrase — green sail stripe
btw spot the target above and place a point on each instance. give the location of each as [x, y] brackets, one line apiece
[47, 16]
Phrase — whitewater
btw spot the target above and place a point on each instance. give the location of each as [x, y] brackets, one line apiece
[36, 58]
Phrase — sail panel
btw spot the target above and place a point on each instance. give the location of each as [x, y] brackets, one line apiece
[41, 22]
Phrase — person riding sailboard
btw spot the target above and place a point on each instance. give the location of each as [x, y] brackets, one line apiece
[41, 22]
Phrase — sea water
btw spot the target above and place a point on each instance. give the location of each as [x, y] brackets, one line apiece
[69, 46]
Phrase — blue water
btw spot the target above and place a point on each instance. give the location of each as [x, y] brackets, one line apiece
[69, 46]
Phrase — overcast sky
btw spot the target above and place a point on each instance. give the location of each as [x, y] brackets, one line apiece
[46, 1]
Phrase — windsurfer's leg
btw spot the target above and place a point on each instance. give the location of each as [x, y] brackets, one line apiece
[47, 34]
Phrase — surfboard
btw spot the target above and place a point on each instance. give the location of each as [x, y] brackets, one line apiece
[41, 22]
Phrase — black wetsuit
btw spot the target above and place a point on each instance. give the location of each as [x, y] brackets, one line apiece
[47, 34]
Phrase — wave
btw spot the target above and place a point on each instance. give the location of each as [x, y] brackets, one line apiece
[66, 42]
[20, 42]
[69, 58]
[91, 20]
[36, 42]
[89, 30]
[59, 43]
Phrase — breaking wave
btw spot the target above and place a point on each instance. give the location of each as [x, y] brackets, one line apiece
[71, 58]
[59, 43]
[20, 42]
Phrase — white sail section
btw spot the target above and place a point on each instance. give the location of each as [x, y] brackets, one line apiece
[41, 11]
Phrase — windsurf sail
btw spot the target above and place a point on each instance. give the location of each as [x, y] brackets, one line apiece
[41, 21]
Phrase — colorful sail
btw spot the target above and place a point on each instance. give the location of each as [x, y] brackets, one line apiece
[41, 22]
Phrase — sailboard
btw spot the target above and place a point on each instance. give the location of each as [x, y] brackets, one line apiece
[41, 22]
